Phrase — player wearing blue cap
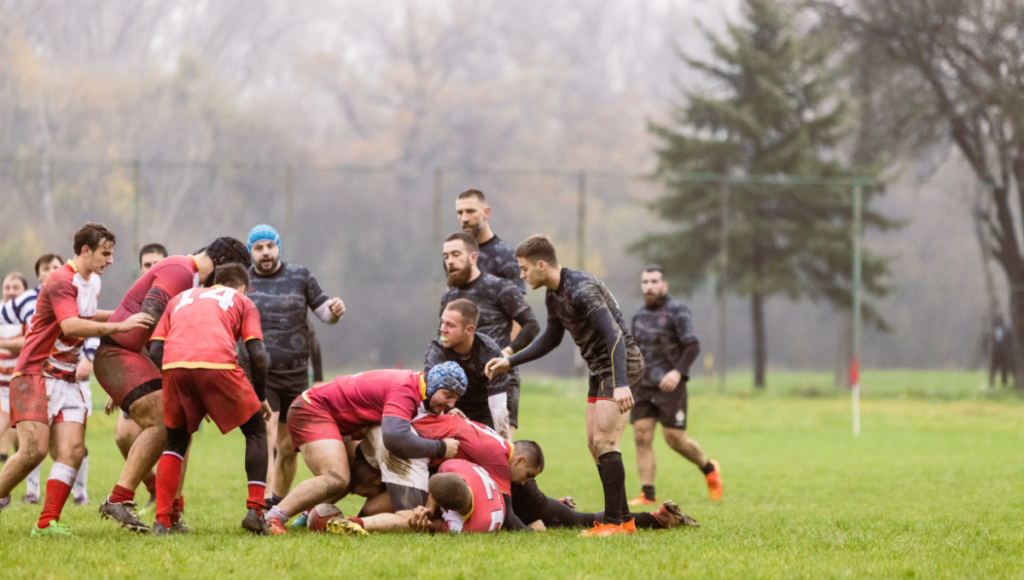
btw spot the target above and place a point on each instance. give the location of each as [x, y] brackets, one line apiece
[283, 294]
[319, 420]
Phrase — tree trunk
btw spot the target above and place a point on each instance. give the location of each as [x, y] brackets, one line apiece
[760, 350]
[1017, 317]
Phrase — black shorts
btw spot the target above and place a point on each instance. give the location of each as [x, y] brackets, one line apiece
[603, 387]
[283, 388]
[668, 408]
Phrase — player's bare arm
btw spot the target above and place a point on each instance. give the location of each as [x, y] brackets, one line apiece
[103, 315]
[83, 328]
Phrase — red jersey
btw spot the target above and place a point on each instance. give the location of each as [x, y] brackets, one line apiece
[201, 326]
[7, 358]
[359, 401]
[48, 351]
[488, 511]
[478, 444]
[169, 277]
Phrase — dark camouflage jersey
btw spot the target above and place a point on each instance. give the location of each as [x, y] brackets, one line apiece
[579, 296]
[662, 332]
[284, 299]
[498, 258]
[499, 300]
[474, 402]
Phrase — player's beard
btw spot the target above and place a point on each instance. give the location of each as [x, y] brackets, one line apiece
[473, 230]
[459, 278]
[271, 270]
[652, 299]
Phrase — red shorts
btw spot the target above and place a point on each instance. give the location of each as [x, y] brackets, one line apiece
[121, 371]
[28, 399]
[191, 394]
[308, 422]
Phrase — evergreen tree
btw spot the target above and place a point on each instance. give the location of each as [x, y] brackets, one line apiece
[780, 111]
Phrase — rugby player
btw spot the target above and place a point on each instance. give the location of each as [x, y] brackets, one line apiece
[19, 311]
[349, 405]
[580, 303]
[12, 338]
[486, 399]
[663, 330]
[133, 381]
[283, 292]
[504, 463]
[502, 305]
[127, 430]
[47, 406]
[80, 490]
[194, 346]
[495, 256]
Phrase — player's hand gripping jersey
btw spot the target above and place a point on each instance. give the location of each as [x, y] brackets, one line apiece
[477, 444]
[488, 511]
[168, 278]
[358, 401]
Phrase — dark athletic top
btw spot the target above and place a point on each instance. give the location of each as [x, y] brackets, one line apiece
[664, 332]
[474, 402]
[500, 302]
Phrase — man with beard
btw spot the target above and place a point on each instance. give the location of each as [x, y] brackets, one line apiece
[495, 256]
[501, 305]
[282, 293]
[663, 329]
[134, 382]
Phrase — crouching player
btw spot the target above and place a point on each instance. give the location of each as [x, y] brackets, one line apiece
[319, 420]
[194, 345]
[467, 497]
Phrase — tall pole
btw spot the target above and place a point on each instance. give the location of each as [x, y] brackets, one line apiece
[581, 221]
[289, 205]
[856, 318]
[438, 209]
[723, 277]
[136, 206]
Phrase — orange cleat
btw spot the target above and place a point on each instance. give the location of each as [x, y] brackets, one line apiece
[642, 500]
[601, 530]
[275, 527]
[714, 480]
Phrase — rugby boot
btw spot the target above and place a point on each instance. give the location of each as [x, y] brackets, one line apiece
[275, 527]
[30, 498]
[125, 514]
[255, 523]
[714, 480]
[82, 499]
[160, 529]
[642, 500]
[341, 526]
[54, 529]
[599, 529]
[569, 502]
[179, 527]
[670, 516]
[301, 521]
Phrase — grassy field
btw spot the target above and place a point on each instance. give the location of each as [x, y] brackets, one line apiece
[932, 488]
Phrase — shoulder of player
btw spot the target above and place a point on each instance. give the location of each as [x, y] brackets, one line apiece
[296, 271]
[487, 346]
[677, 308]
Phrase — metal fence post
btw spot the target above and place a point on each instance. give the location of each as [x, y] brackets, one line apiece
[289, 205]
[723, 278]
[856, 318]
[438, 209]
[581, 221]
[136, 206]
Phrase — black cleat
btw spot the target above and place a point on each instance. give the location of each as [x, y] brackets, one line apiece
[255, 523]
[125, 514]
[160, 530]
[179, 527]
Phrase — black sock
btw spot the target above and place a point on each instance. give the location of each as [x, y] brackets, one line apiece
[708, 468]
[645, 520]
[255, 432]
[613, 479]
[649, 493]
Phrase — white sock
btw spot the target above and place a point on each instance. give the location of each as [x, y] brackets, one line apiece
[63, 473]
[275, 512]
[4, 502]
[82, 480]
[33, 481]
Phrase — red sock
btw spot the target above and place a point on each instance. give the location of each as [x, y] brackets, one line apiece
[168, 475]
[57, 493]
[121, 494]
[177, 509]
[255, 501]
[358, 521]
[150, 483]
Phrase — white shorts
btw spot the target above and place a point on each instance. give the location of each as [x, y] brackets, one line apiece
[87, 396]
[393, 469]
[66, 400]
[5, 399]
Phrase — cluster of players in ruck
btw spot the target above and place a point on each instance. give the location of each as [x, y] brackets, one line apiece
[223, 334]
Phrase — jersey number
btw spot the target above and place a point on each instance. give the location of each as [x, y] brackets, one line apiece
[489, 486]
[225, 296]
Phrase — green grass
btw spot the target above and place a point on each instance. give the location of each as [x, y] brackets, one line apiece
[930, 489]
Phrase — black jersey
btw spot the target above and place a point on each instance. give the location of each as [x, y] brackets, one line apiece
[577, 301]
[499, 301]
[284, 299]
[662, 331]
[498, 258]
[474, 402]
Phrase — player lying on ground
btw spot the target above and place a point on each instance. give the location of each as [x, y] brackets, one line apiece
[504, 463]
[47, 406]
[194, 346]
[134, 382]
[583, 305]
[320, 419]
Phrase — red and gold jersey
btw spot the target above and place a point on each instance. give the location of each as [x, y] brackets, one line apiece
[165, 280]
[478, 444]
[359, 401]
[488, 511]
[9, 359]
[48, 351]
[201, 326]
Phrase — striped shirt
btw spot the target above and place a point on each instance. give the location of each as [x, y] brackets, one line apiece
[19, 310]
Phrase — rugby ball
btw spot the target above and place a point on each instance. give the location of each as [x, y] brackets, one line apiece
[317, 519]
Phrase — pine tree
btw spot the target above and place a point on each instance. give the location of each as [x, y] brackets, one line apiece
[778, 111]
